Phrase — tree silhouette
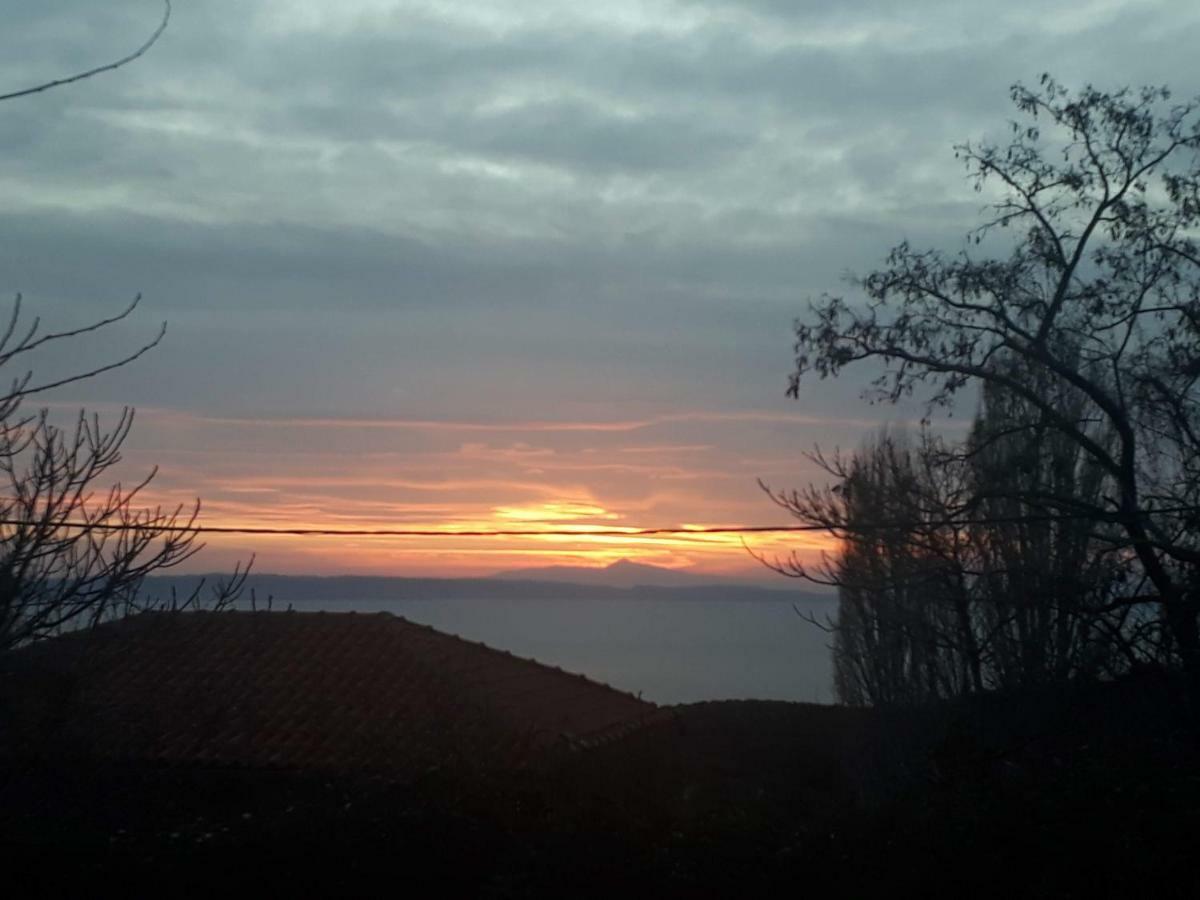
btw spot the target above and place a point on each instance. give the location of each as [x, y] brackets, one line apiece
[69, 555]
[96, 70]
[934, 602]
[1098, 293]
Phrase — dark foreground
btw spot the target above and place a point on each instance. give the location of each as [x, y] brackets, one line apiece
[1097, 797]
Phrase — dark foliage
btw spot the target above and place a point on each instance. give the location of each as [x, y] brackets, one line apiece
[70, 555]
[1077, 796]
[1082, 332]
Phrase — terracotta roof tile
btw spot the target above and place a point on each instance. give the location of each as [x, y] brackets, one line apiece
[312, 690]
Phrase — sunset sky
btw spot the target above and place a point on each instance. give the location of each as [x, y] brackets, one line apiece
[500, 264]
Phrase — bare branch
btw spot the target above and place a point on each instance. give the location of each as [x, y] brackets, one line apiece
[107, 67]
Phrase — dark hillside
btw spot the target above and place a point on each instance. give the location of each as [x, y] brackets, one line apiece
[1095, 793]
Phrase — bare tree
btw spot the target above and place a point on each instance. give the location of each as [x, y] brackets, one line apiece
[1099, 293]
[951, 581]
[904, 631]
[1053, 587]
[71, 555]
[96, 70]
[895, 634]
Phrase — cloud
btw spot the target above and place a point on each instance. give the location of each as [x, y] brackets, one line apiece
[382, 232]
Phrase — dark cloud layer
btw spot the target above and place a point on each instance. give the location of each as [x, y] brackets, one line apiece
[513, 210]
[724, 159]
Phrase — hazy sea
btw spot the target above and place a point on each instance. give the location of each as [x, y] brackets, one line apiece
[672, 651]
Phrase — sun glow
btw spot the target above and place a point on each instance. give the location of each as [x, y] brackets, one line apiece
[583, 491]
[454, 553]
[553, 512]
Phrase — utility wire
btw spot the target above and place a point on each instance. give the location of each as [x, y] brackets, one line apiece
[592, 532]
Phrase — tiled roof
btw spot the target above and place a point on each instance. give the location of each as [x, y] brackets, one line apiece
[336, 691]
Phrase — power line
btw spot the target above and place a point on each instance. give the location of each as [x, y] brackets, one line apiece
[422, 532]
[591, 532]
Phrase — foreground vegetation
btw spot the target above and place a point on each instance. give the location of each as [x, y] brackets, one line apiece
[1074, 796]
[1058, 541]
[1018, 612]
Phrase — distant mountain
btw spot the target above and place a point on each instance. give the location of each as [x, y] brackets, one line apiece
[625, 573]
[374, 592]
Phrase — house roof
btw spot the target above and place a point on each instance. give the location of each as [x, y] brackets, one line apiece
[339, 691]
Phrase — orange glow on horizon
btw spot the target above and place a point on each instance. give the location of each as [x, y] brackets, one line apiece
[686, 472]
[719, 554]
[555, 512]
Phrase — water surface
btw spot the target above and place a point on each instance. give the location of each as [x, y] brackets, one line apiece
[672, 651]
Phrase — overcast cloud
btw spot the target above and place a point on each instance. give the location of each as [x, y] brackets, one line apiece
[508, 211]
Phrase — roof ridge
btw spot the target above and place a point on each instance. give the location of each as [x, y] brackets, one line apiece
[394, 619]
[524, 660]
[308, 689]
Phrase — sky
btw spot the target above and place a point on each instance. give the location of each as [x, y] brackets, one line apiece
[463, 264]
